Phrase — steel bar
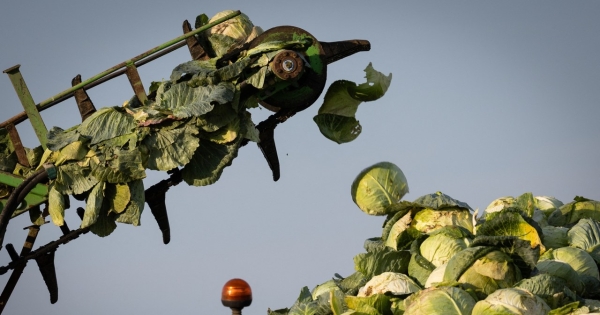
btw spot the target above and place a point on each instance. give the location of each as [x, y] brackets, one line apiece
[118, 70]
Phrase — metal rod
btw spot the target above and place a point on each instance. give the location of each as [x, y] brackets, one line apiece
[28, 104]
[117, 70]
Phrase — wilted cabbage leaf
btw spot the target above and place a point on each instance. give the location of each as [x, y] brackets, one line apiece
[378, 187]
[336, 118]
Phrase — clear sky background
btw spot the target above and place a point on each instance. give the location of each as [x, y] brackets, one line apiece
[488, 99]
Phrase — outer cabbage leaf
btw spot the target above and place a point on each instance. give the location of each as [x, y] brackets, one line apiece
[395, 283]
[547, 204]
[208, 162]
[56, 206]
[115, 165]
[553, 290]
[168, 149]
[555, 236]
[586, 235]
[185, 101]
[562, 270]
[336, 117]
[74, 179]
[441, 201]
[378, 262]
[573, 211]
[376, 304]
[511, 301]
[378, 187]
[430, 220]
[510, 222]
[107, 123]
[483, 269]
[337, 128]
[577, 258]
[59, 138]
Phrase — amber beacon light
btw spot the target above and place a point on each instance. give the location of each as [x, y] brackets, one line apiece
[236, 295]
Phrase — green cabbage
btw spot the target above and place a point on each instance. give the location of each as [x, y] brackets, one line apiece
[547, 204]
[392, 282]
[441, 300]
[586, 235]
[511, 301]
[572, 212]
[378, 188]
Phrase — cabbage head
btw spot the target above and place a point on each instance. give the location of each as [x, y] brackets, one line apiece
[378, 188]
[572, 212]
[555, 236]
[577, 258]
[431, 251]
[483, 269]
[547, 204]
[232, 32]
[389, 282]
[440, 300]
[511, 301]
[553, 290]
[586, 235]
[563, 271]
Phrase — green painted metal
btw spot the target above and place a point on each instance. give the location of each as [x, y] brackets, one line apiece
[150, 52]
[28, 104]
[38, 195]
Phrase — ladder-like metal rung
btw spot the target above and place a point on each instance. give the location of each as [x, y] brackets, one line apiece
[136, 83]
[84, 103]
[196, 50]
[18, 145]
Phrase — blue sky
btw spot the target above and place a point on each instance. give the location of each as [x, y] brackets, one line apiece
[488, 99]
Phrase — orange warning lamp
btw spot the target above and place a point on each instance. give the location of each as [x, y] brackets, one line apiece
[236, 295]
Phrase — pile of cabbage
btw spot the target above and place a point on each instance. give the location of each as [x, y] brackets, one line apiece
[523, 255]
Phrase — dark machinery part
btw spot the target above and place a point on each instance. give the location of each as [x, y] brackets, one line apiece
[304, 75]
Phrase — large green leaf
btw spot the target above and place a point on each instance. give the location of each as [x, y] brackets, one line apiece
[185, 101]
[553, 290]
[439, 201]
[168, 149]
[59, 138]
[105, 223]
[335, 118]
[107, 123]
[115, 165]
[74, 179]
[376, 304]
[208, 162]
[133, 211]
[510, 222]
[380, 261]
[340, 129]
[56, 206]
[93, 205]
